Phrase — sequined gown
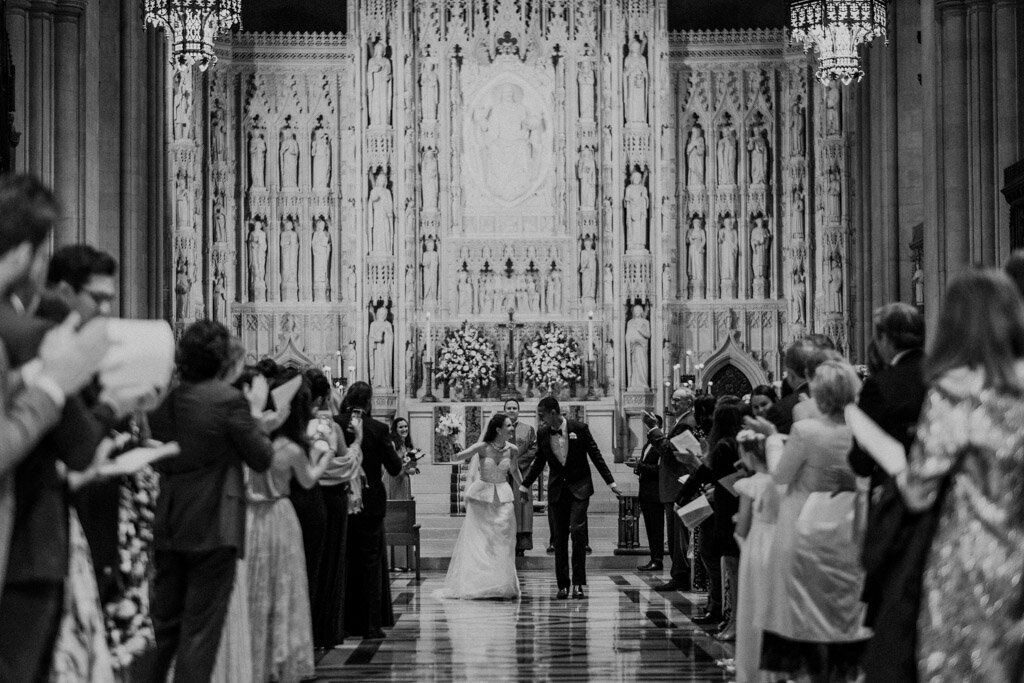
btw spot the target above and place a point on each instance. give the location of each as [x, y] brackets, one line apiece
[483, 562]
[970, 623]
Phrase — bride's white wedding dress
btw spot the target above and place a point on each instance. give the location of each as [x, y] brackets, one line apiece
[483, 563]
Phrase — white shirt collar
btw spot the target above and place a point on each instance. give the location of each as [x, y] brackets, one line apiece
[899, 356]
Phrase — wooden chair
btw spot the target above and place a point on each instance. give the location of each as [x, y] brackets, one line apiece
[401, 529]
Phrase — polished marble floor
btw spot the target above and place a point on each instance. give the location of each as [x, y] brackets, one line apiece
[624, 631]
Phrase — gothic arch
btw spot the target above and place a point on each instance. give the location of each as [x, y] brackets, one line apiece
[731, 353]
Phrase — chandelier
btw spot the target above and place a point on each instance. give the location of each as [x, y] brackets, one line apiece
[192, 26]
[836, 28]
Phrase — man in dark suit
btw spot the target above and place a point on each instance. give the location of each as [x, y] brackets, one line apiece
[368, 594]
[672, 464]
[650, 503]
[199, 526]
[563, 445]
[37, 564]
[526, 446]
[798, 356]
[893, 398]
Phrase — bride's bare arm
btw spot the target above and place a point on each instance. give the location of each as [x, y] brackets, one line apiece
[469, 452]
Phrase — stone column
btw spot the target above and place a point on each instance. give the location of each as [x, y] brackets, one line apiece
[17, 32]
[67, 122]
[39, 74]
[934, 246]
[953, 135]
[984, 193]
[1007, 143]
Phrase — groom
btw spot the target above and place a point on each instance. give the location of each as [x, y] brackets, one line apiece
[564, 445]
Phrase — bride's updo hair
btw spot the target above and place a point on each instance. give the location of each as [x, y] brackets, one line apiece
[496, 423]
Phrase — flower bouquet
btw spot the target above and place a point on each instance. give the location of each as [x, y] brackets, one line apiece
[552, 360]
[448, 429]
[466, 361]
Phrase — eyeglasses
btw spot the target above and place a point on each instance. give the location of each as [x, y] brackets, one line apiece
[99, 298]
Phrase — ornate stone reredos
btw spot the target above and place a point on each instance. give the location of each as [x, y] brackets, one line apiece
[290, 355]
[508, 136]
[732, 353]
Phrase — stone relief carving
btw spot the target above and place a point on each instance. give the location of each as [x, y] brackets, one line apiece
[586, 81]
[431, 187]
[634, 82]
[760, 238]
[464, 290]
[638, 348]
[726, 153]
[757, 146]
[637, 202]
[696, 157]
[797, 126]
[835, 282]
[798, 298]
[289, 260]
[382, 216]
[587, 174]
[430, 90]
[321, 246]
[728, 250]
[696, 241]
[588, 269]
[257, 159]
[382, 348]
[553, 290]
[379, 94]
[833, 200]
[258, 260]
[182, 106]
[183, 288]
[321, 154]
[289, 160]
[430, 264]
[832, 96]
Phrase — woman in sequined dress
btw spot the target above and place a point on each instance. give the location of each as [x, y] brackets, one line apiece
[970, 446]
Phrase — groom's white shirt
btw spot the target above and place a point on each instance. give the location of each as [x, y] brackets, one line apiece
[559, 442]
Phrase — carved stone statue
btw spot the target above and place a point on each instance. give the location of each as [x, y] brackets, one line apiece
[833, 203]
[587, 172]
[637, 202]
[533, 294]
[321, 153]
[798, 209]
[378, 80]
[760, 237]
[634, 83]
[918, 280]
[289, 161]
[668, 289]
[321, 244]
[182, 205]
[726, 153]
[221, 313]
[429, 91]
[638, 347]
[183, 288]
[588, 269]
[258, 159]
[218, 133]
[464, 289]
[258, 261]
[798, 298]
[696, 241]
[696, 157]
[609, 366]
[220, 222]
[509, 149]
[609, 282]
[757, 145]
[835, 282]
[430, 179]
[351, 282]
[430, 264]
[382, 216]
[553, 291]
[182, 108]
[797, 126]
[832, 96]
[488, 294]
[289, 261]
[382, 348]
[586, 80]
[728, 250]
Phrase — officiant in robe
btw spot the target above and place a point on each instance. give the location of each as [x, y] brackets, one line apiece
[526, 443]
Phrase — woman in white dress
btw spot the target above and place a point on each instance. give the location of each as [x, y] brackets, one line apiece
[483, 563]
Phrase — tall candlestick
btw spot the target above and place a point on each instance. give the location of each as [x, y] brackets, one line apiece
[337, 358]
[590, 335]
[430, 341]
[689, 355]
[675, 376]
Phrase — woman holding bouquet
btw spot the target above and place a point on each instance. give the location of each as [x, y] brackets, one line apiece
[400, 486]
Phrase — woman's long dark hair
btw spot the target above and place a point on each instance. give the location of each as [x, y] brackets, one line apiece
[398, 440]
[727, 422]
[359, 395]
[294, 428]
[496, 423]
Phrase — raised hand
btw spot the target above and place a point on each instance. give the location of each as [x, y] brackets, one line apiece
[71, 357]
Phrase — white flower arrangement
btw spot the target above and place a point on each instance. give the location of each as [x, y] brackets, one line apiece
[466, 359]
[449, 426]
[552, 359]
[129, 627]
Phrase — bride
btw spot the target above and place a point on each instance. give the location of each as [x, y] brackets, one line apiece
[483, 563]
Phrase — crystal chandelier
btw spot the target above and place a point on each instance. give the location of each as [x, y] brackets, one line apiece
[192, 26]
[836, 28]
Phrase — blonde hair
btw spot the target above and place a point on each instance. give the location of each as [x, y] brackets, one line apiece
[834, 386]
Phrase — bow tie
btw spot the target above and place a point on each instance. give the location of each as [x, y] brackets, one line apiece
[556, 431]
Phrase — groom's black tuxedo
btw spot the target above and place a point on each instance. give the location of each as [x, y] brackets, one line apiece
[570, 487]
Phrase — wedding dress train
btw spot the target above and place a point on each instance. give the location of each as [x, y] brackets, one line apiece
[483, 564]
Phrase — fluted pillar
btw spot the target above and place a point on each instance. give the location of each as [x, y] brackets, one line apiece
[17, 33]
[40, 89]
[68, 112]
[953, 129]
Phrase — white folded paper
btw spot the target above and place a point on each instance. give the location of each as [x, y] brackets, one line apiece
[683, 479]
[883, 449]
[729, 482]
[284, 394]
[686, 442]
[140, 359]
[695, 512]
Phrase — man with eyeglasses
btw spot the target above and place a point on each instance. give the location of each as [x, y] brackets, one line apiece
[80, 279]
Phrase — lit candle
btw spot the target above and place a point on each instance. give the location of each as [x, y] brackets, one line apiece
[689, 355]
[590, 335]
[675, 375]
[430, 341]
[337, 358]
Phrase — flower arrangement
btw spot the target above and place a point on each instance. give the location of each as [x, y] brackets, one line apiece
[129, 627]
[552, 359]
[466, 360]
[448, 426]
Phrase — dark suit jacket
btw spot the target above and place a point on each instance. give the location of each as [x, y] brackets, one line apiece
[39, 540]
[648, 468]
[573, 478]
[892, 398]
[378, 453]
[201, 505]
[670, 465]
[721, 463]
[781, 414]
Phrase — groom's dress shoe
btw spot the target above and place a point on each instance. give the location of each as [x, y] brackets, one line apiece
[708, 618]
[563, 594]
[670, 586]
[652, 566]
[577, 593]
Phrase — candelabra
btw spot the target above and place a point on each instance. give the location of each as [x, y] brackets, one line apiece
[429, 397]
[591, 394]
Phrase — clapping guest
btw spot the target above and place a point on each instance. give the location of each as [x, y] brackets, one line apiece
[400, 487]
[964, 474]
[651, 507]
[279, 609]
[199, 527]
[368, 594]
[762, 398]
